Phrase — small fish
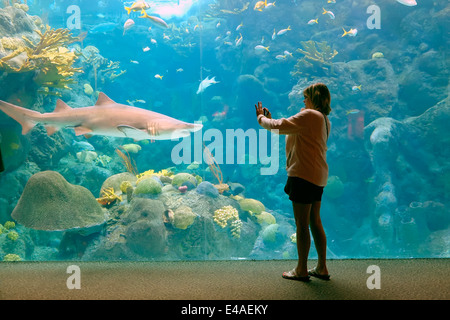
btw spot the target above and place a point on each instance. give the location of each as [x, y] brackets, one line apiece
[239, 40]
[331, 1]
[218, 24]
[260, 5]
[287, 53]
[83, 145]
[137, 6]
[146, 49]
[280, 57]
[180, 70]
[157, 76]
[312, 21]
[260, 48]
[153, 41]
[157, 21]
[127, 25]
[329, 13]
[281, 32]
[101, 16]
[220, 115]
[228, 43]
[206, 83]
[356, 88]
[270, 5]
[352, 111]
[134, 61]
[274, 34]
[408, 3]
[14, 146]
[351, 32]
[217, 38]
[239, 26]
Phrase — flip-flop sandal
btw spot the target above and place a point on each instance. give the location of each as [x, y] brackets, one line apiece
[290, 275]
[313, 273]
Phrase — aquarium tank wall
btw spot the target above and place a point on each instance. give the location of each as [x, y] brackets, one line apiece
[128, 128]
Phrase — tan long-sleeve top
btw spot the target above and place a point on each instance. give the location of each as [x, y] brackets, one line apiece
[306, 144]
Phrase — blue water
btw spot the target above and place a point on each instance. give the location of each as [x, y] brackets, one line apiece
[388, 189]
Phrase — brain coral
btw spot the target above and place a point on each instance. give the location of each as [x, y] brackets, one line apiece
[266, 218]
[183, 217]
[148, 186]
[183, 177]
[49, 202]
[251, 205]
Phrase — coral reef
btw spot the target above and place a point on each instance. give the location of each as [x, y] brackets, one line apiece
[99, 69]
[317, 57]
[49, 58]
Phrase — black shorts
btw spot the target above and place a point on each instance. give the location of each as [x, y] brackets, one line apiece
[302, 191]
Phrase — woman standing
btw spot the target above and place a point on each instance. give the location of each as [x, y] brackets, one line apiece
[306, 145]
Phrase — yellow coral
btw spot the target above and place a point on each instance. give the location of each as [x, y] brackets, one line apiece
[49, 57]
[108, 197]
[224, 214]
[11, 257]
[151, 173]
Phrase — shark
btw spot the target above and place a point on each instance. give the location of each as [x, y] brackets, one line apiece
[106, 118]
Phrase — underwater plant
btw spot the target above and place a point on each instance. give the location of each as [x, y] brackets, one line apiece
[317, 58]
[49, 58]
[215, 170]
[129, 163]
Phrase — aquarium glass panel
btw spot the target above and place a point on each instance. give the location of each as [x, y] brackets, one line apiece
[129, 131]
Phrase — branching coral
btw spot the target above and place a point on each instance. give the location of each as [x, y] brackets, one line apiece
[317, 57]
[49, 58]
[108, 196]
[107, 69]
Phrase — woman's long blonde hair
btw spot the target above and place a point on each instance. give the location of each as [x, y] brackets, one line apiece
[320, 97]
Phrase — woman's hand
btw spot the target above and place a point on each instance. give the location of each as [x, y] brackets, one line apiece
[263, 111]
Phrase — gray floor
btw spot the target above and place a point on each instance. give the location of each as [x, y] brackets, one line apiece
[224, 280]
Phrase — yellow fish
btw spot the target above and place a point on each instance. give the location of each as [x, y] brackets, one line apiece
[138, 6]
[260, 5]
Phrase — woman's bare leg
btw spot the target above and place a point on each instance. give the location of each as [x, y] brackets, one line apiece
[301, 214]
[320, 239]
